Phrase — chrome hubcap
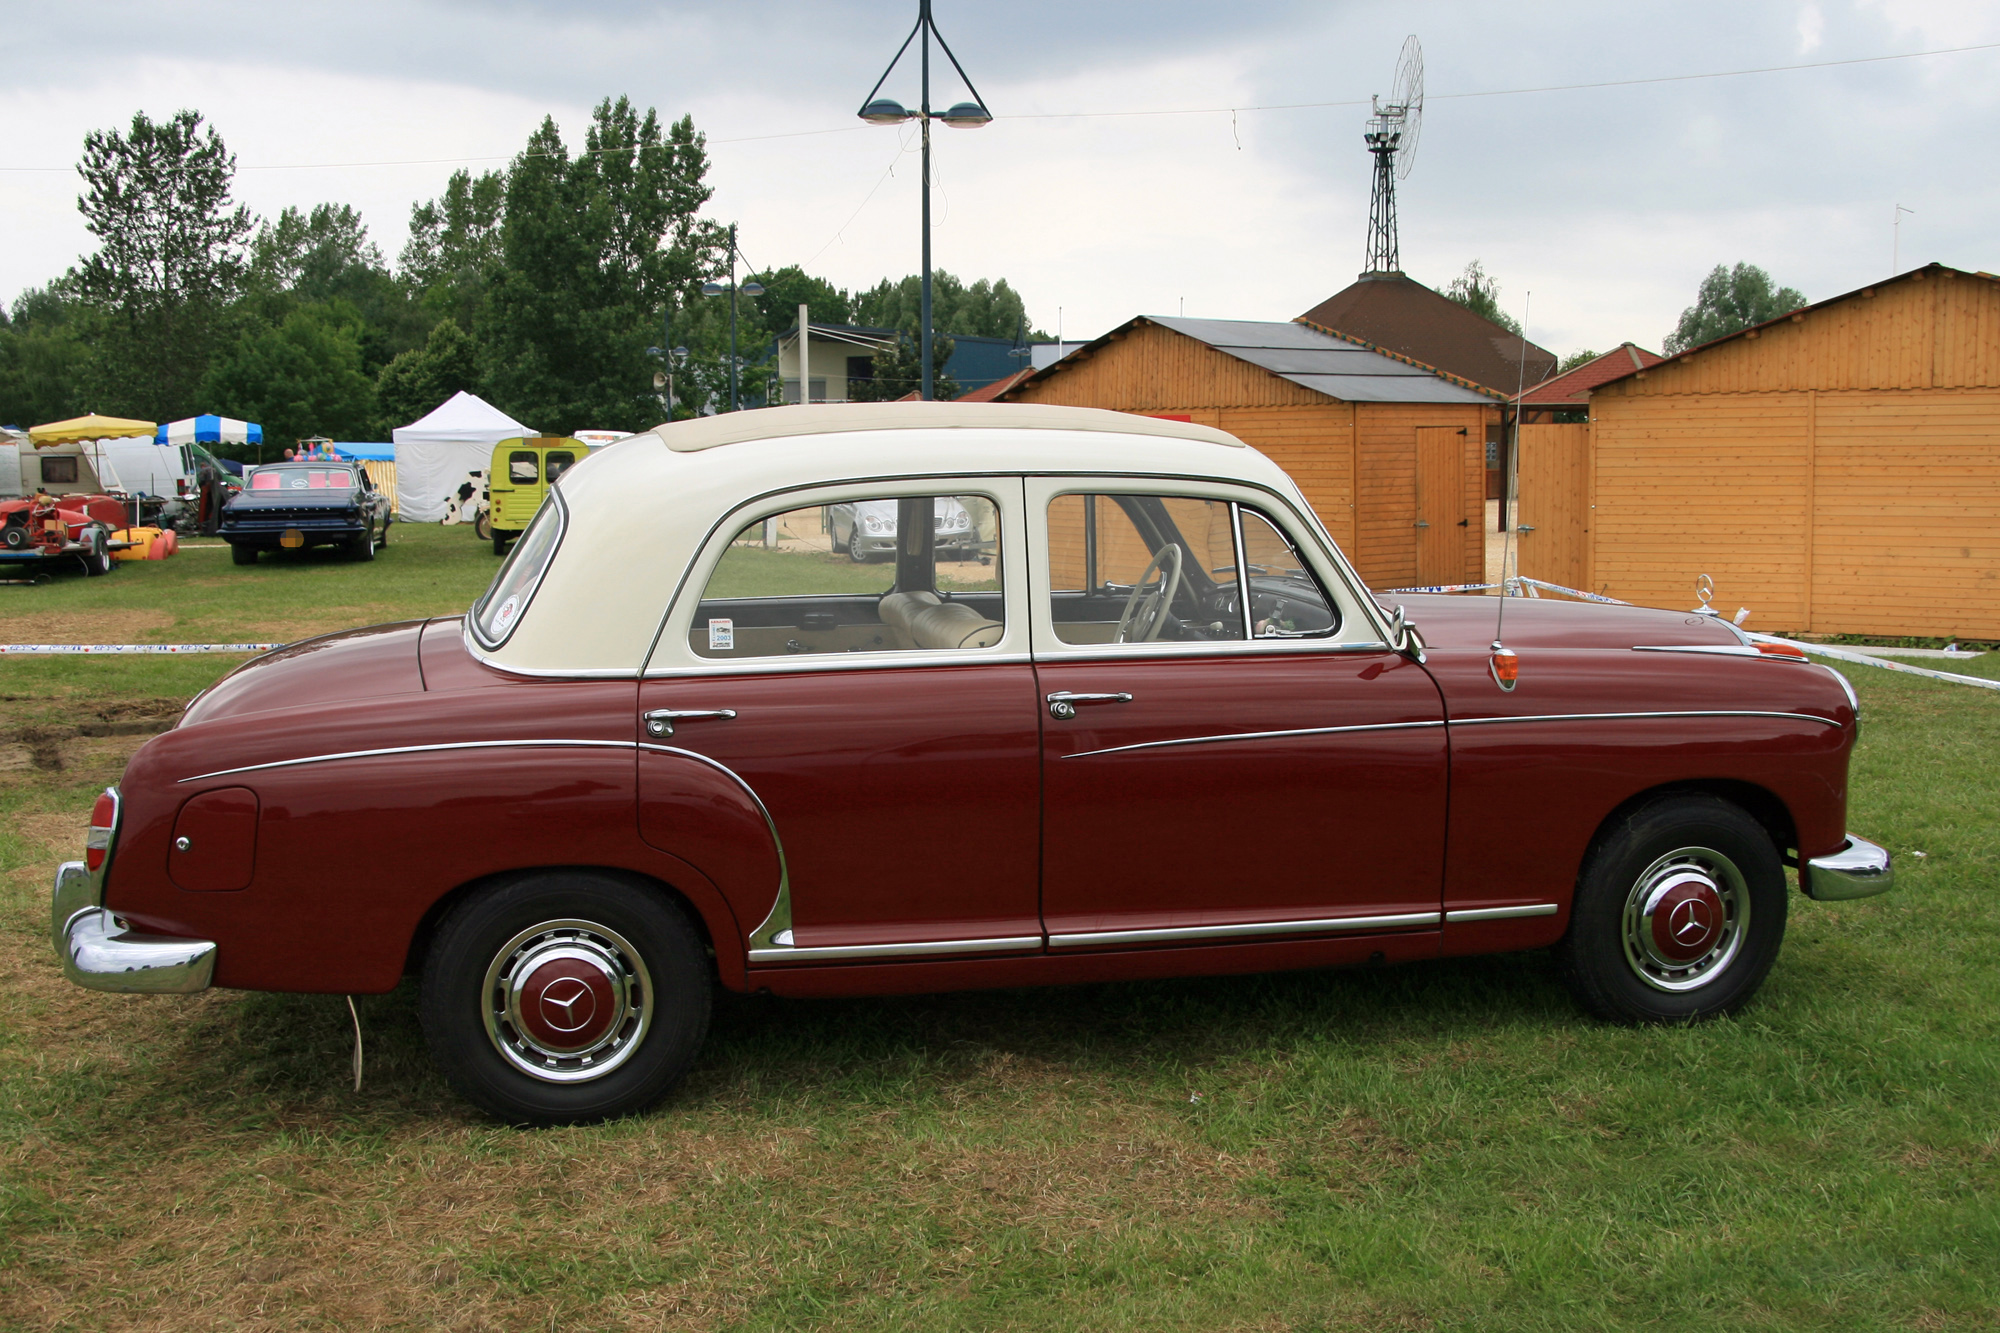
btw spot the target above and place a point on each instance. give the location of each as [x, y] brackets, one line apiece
[1685, 919]
[567, 1001]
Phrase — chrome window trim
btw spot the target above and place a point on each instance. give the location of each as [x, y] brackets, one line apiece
[1255, 736]
[1500, 913]
[1170, 934]
[829, 953]
[1603, 717]
[885, 661]
[553, 497]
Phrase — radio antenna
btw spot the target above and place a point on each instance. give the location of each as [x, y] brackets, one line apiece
[1505, 664]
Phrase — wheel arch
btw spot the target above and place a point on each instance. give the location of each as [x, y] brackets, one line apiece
[1760, 803]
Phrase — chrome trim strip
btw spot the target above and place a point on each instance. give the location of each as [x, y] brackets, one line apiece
[97, 955]
[1601, 717]
[1254, 736]
[874, 661]
[1168, 934]
[1715, 650]
[1859, 869]
[418, 749]
[776, 928]
[1500, 913]
[827, 953]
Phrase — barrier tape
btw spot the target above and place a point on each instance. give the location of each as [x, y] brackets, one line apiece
[1863, 659]
[1443, 587]
[63, 649]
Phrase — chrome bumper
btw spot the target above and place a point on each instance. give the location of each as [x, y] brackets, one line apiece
[97, 955]
[1859, 869]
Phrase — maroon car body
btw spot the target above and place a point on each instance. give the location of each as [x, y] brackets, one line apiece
[1227, 796]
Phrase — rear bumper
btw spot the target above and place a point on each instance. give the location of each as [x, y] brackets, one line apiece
[1859, 869]
[97, 955]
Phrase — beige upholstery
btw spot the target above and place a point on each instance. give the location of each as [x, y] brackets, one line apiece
[924, 620]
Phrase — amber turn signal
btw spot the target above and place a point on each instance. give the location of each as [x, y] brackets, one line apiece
[1506, 667]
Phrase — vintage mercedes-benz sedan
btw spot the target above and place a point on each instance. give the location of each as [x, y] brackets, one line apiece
[1163, 730]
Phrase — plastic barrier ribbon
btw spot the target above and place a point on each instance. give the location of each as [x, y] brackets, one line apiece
[49, 649]
[1863, 659]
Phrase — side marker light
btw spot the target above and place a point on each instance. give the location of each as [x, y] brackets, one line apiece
[1505, 666]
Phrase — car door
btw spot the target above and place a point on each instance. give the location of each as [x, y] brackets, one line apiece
[900, 775]
[1221, 770]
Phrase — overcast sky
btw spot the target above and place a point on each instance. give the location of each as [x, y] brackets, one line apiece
[1608, 204]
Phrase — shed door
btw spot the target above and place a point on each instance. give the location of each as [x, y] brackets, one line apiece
[1441, 533]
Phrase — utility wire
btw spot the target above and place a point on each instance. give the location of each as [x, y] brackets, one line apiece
[1182, 111]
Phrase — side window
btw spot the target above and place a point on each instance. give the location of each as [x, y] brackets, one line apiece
[869, 574]
[1286, 601]
[523, 468]
[59, 471]
[1142, 569]
[560, 461]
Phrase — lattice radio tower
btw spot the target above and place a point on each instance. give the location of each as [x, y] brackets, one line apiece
[1392, 140]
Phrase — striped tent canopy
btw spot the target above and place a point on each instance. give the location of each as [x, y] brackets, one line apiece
[210, 429]
[92, 427]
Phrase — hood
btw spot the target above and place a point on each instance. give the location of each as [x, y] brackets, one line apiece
[1450, 623]
[334, 668]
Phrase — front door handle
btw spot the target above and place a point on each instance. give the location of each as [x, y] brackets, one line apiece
[660, 721]
[1062, 704]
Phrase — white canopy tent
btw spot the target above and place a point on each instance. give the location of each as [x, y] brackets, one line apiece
[437, 455]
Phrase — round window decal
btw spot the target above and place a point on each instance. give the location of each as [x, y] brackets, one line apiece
[504, 617]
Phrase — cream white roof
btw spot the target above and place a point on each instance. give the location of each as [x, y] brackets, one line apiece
[641, 509]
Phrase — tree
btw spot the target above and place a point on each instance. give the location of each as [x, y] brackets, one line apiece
[983, 310]
[592, 248]
[420, 379]
[789, 288]
[170, 256]
[45, 362]
[300, 378]
[323, 256]
[899, 370]
[1476, 290]
[454, 245]
[1730, 299]
[1575, 359]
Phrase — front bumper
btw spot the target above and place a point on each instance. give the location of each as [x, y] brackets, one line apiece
[1859, 869]
[97, 955]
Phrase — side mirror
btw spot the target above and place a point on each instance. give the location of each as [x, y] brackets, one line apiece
[1403, 636]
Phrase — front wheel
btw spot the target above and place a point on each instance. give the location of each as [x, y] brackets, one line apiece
[565, 998]
[242, 554]
[1679, 913]
[96, 552]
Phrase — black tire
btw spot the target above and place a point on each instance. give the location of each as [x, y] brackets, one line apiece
[241, 553]
[586, 928]
[482, 524]
[363, 547]
[1679, 914]
[384, 542]
[499, 543]
[97, 552]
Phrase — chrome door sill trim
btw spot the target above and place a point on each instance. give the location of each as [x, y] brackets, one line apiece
[417, 749]
[1255, 736]
[1169, 934]
[828, 953]
[1500, 913]
[1612, 717]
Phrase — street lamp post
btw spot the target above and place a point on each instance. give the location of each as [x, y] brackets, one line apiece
[963, 116]
[751, 288]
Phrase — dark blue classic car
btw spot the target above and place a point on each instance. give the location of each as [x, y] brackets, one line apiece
[290, 506]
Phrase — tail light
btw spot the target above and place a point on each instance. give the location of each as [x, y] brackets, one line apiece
[103, 825]
[1782, 650]
[1506, 667]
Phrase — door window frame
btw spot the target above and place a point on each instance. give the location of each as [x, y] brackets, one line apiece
[671, 655]
[1362, 624]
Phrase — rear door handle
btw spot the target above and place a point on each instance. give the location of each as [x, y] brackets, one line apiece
[1062, 704]
[660, 721]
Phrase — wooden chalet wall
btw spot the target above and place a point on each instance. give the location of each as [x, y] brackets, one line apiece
[1838, 473]
[1355, 462]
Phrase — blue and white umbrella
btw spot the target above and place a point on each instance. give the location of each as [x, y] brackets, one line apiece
[210, 429]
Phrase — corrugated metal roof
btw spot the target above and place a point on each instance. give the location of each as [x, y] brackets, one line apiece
[1321, 362]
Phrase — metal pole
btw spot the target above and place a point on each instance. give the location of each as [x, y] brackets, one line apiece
[733, 404]
[924, 23]
[805, 355]
[667, 351]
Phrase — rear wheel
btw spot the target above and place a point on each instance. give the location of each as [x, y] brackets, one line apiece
[1679, 914]
[242, 554]
[96, 552]
[499, 543]
[565, 998]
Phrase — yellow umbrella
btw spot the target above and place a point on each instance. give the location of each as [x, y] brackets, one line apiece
[92, 427]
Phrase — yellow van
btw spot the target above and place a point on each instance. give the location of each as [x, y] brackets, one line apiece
[518, 479]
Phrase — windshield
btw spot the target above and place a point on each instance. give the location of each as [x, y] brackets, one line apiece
[301, 479]
[500, 610]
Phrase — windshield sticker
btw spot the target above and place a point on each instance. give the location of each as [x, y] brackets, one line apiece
[722, 636]
[505, 615]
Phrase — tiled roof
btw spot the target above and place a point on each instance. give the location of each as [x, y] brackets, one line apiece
[1397, 314]
[1573, 389]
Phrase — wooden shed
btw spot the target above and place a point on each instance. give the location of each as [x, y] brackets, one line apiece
[1388, 451]
[1836, 470]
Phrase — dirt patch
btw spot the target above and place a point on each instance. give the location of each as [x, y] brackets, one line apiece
[73, 627]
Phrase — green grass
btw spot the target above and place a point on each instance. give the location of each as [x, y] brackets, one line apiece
[1444, 1145]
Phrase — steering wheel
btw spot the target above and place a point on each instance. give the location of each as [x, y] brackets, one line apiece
[1145, 613]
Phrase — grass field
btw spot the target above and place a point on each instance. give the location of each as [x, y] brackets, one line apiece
[1446, 1145]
